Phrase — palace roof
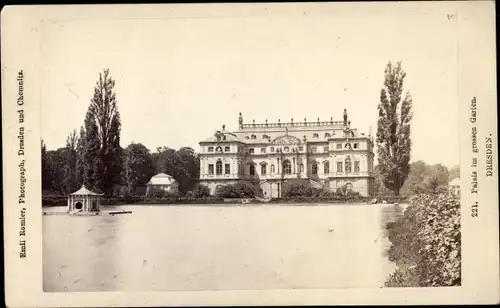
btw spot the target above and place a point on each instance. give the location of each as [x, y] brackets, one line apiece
[223, 136]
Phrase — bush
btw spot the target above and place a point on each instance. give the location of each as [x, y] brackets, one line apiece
[240, 189]
[297, 188]
[426, 243]
[200, 191]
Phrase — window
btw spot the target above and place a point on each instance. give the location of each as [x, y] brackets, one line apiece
[327, 135]
[265, 136]
[348, 165]
[254, 137]
[272, 149]
[218, 137]
[272, 169]
[326, 168]
[301, 148]
[301, 167]
[218, 149]
[287, 167]
[263, 169]
[251, 169]
[356, 166]
[227, 168]
[356, 145]
[250, 151]
[263, 150]
[339, 146]
[313, 149]
[339, 166]
[315, 135]
[325, 149]
[218, 167]
[227, 149]
[210, 149]
[314, 168]
[211, 169]
[224, 137]
[246, 137]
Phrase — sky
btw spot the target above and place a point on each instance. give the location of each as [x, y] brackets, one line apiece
[180, 79]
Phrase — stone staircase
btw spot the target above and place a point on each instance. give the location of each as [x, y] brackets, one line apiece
[316, 184]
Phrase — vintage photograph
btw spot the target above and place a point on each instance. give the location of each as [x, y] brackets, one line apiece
[250, 153]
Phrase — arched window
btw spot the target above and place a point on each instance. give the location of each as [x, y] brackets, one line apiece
[348, 165]
[254, 137]
[251, 169]
[263, 169]
[315, 135]
[326, 167]
[314, 168]
[218, 167]
[287, 167]
[327, 135]
[272, 169]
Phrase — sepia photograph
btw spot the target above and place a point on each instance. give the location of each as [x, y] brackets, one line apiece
[266, 148]
[229, 154]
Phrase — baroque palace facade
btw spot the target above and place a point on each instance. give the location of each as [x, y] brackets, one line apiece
[329, 154]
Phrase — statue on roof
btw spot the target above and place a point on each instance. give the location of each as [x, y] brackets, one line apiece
[240, 120]
[345, 116]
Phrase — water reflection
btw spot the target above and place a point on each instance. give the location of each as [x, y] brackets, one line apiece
[216, 248]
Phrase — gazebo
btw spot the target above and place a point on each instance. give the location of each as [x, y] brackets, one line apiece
[84, 200]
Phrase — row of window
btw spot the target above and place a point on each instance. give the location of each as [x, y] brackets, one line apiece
[285, 149]
[287, 168]
[265, 136]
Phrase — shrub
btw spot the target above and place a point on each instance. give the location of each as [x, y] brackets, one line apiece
[200, 191]
[297, 188]
[426, 243]
[240, 189]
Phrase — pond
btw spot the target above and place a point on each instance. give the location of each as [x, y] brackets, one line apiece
[214, 247]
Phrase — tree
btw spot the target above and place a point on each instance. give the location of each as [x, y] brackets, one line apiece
[183, 165]
[80, 161]
[138, 166]
[70, 168]
[393, 129]
[105, 127]
[92, 159]
[425, 179]
[47, 172]
[454, 172]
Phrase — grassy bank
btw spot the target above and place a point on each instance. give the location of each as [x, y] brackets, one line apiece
[426, 243]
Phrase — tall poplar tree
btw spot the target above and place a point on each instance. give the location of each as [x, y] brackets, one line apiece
[104, 111]
[70, 172]
[92, 161]
[393, 129]
[80, 158]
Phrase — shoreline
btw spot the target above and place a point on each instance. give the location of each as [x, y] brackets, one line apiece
[255, 204]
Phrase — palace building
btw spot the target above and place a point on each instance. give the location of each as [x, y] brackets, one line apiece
[329, 154]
